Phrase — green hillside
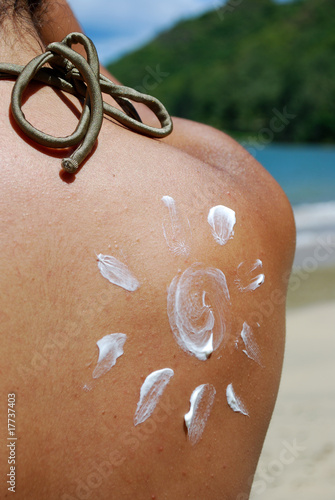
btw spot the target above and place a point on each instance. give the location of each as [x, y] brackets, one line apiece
[232, 67]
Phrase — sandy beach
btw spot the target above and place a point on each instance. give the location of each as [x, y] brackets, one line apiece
[298, 458]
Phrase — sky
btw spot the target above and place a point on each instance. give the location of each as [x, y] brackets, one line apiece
[120, 27]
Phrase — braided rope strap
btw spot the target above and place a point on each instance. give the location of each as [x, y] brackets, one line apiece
[72, 73]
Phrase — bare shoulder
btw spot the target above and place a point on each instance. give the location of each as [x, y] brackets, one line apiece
[254, 184]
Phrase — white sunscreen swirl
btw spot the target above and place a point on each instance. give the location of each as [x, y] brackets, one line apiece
[117, 273]
[198, 307]
[222, 221]
[234, 402]
[176, 229]
[248, 278]
[151, 390]
[201, 403]
[251, 348]
[110, 349]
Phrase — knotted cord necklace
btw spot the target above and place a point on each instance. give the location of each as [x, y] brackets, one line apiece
[72, 73]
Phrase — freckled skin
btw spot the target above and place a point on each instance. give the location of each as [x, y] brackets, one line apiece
[56, 305]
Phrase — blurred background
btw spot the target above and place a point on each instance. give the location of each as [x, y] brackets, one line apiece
[262, 71]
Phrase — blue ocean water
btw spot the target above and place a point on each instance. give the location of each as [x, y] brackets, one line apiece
[307, 175]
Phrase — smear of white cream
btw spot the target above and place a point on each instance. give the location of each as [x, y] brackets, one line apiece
[248, 278]
[176, 229]
[222, 221]
[201, 403]
[234, 402]
[151, 390]
[251, 348]
[117, 273]
[110, 348]
[198, 306]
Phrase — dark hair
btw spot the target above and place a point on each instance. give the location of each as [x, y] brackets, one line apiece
[29, 12]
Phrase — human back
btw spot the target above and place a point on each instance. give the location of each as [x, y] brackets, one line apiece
[77, 437]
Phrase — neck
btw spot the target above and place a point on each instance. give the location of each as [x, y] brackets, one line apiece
[18, 45]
